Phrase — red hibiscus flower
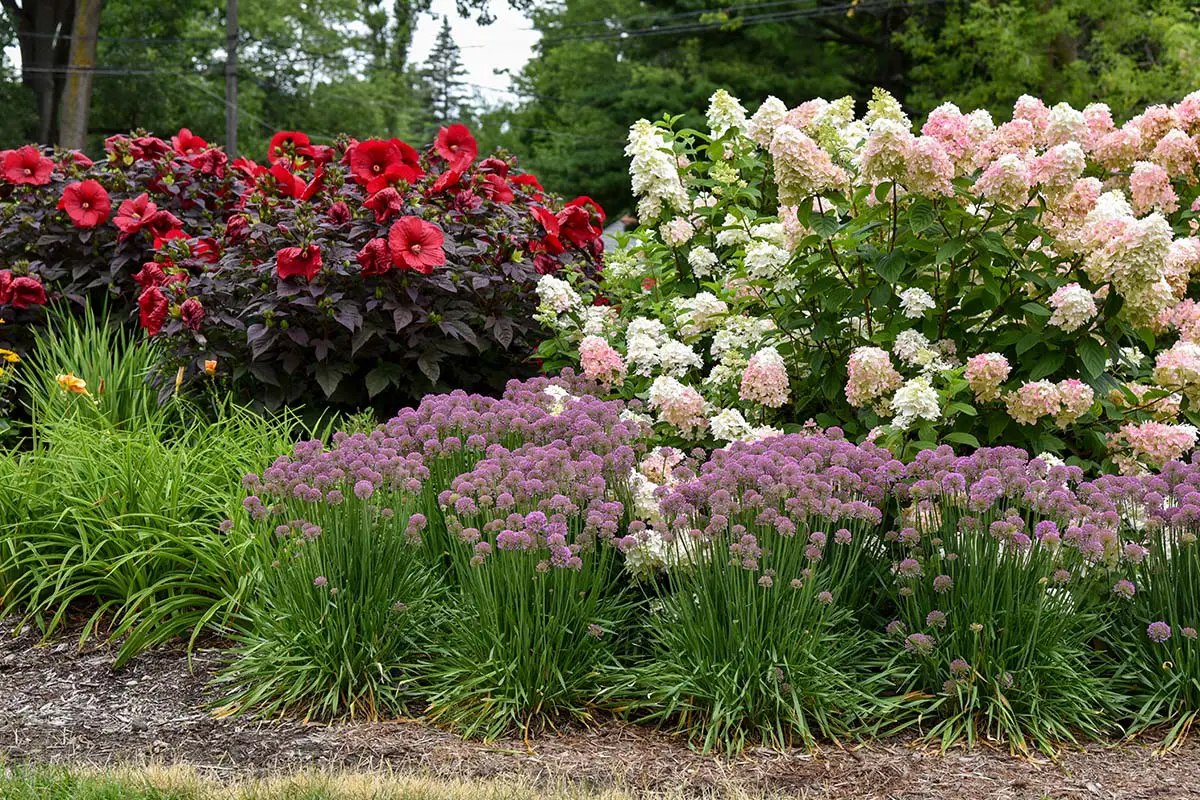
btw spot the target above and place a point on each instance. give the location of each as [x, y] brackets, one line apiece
[291, 185]
[210, 162]
[416, 244]
[149, 147]
[321, 153]
[287, 143]
[386, 203]
[304, 261]
[550, 223]
[27, 292]
[151, 274]
[371, 159]
[497, 189]
[375, 258]
[531, 181]
[576, 225]
[80, 160]
[187, 143]
[496, 166]
[446, 180]
[192, 314]
[206, 249]
[251, 169]
[27, 165]
[86, 203]
[457, 145]
[132, 215]
[6, 282]
[411, 160]
[544, 264]
[152, 309]
[583, 201]
[162, 224]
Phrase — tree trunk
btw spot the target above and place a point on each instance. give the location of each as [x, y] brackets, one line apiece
[43, 30]
[77, 94]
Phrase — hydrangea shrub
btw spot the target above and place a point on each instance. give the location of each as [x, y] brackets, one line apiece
[972, 281]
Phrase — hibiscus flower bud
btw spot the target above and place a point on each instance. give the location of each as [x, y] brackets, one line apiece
[26, 291]
[192, 313]
[152, 308]
[375, 258]
[339, 213]
[237, 229]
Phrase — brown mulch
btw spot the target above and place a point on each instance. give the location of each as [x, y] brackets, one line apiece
[61, 705]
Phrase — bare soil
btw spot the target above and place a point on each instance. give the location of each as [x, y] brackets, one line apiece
[63, 705]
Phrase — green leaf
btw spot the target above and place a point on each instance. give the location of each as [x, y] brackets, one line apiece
[891, 266]
[883, 192]
[824, 225]
[961, 408]
[429, 367]
[960, 437]
[383, 376]
[1036, 310]
[948, 251]
[1027, 342]
[1047, 365]
[1094, 355]
[329, 376]
[921, 216]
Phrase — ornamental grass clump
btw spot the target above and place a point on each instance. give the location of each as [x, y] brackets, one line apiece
[542, 614]
[1159, 599]
[344, 605]
[767, 557]
[998, 567]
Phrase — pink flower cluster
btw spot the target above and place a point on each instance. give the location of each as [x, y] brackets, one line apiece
[1179, 368]
[870, 375]
[1065, 401]
[601, 362]
[765, 379]
[678, 405]
[985, 372]
[1150, 443]
[802, 168]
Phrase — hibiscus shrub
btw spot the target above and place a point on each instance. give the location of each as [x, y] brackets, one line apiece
[78, 230]
[351, 270]
[370, 268]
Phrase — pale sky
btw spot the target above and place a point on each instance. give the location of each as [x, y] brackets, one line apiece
[506, 44]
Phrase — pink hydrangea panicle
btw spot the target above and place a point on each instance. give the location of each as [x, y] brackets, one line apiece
[765, 379]
[678, 405]
[1073, 307]
[930, 170]
[1178, 155]
[870, 376]
[1031, 402]
[1033, 111]
[984, 373]
[802, 168]
[601, 362]
[888, 150]
[1179, 368]
[1075, 399]
[1150, 189]
[1006, 181]
[1152, 443]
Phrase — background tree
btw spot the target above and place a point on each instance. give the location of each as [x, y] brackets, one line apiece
[442, 75]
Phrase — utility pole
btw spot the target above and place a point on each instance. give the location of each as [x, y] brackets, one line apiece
[231, 103]
[77, 93]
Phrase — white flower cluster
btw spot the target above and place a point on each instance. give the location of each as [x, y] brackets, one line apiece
[730, 426]
[675, 358]
[915, 350]
[702, 260]
[1074, 306]
[555, 296]
[642, 340]
[725, 112]
[769, 116]
[915, 302]
[655, 171]
[698, 314]
[740, 332]
[916, 399]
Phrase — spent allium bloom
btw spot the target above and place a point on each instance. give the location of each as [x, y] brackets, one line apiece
[320, 581]
[895, 628]
[1006, 181]
[984, 373]
[916, 399]
[1124, 589]
[919, 644]
[1073, 306]
[802, 168]
[655, 174]
[943, 584]
[765, 379]
[909, 568]
[870, 376]
[678, 405]
[936, 619]
[1188, 632]
[915, 302]
[601, 362]
[960, 669]
[1150, 189]
[1158, 632]
[825, 598]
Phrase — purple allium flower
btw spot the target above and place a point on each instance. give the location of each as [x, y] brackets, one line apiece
[226, 526]
[766, 581]
[919, 643]
[595, 631]
[320, 581]
[825, 598]
[943, 584]
[909, 568]
[364, 489]
[797, 583]
[1061, 576]
[906, 591]
[959, 668]
[335, 497]
[1188, 633]
[1124, 589]
[936, 619]
[896, 628]
[1158, 632]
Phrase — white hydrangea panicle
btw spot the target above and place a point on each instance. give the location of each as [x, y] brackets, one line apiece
[762, 125]
[725, 113]
[914, 400]
[655, 172]
[915, 302]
